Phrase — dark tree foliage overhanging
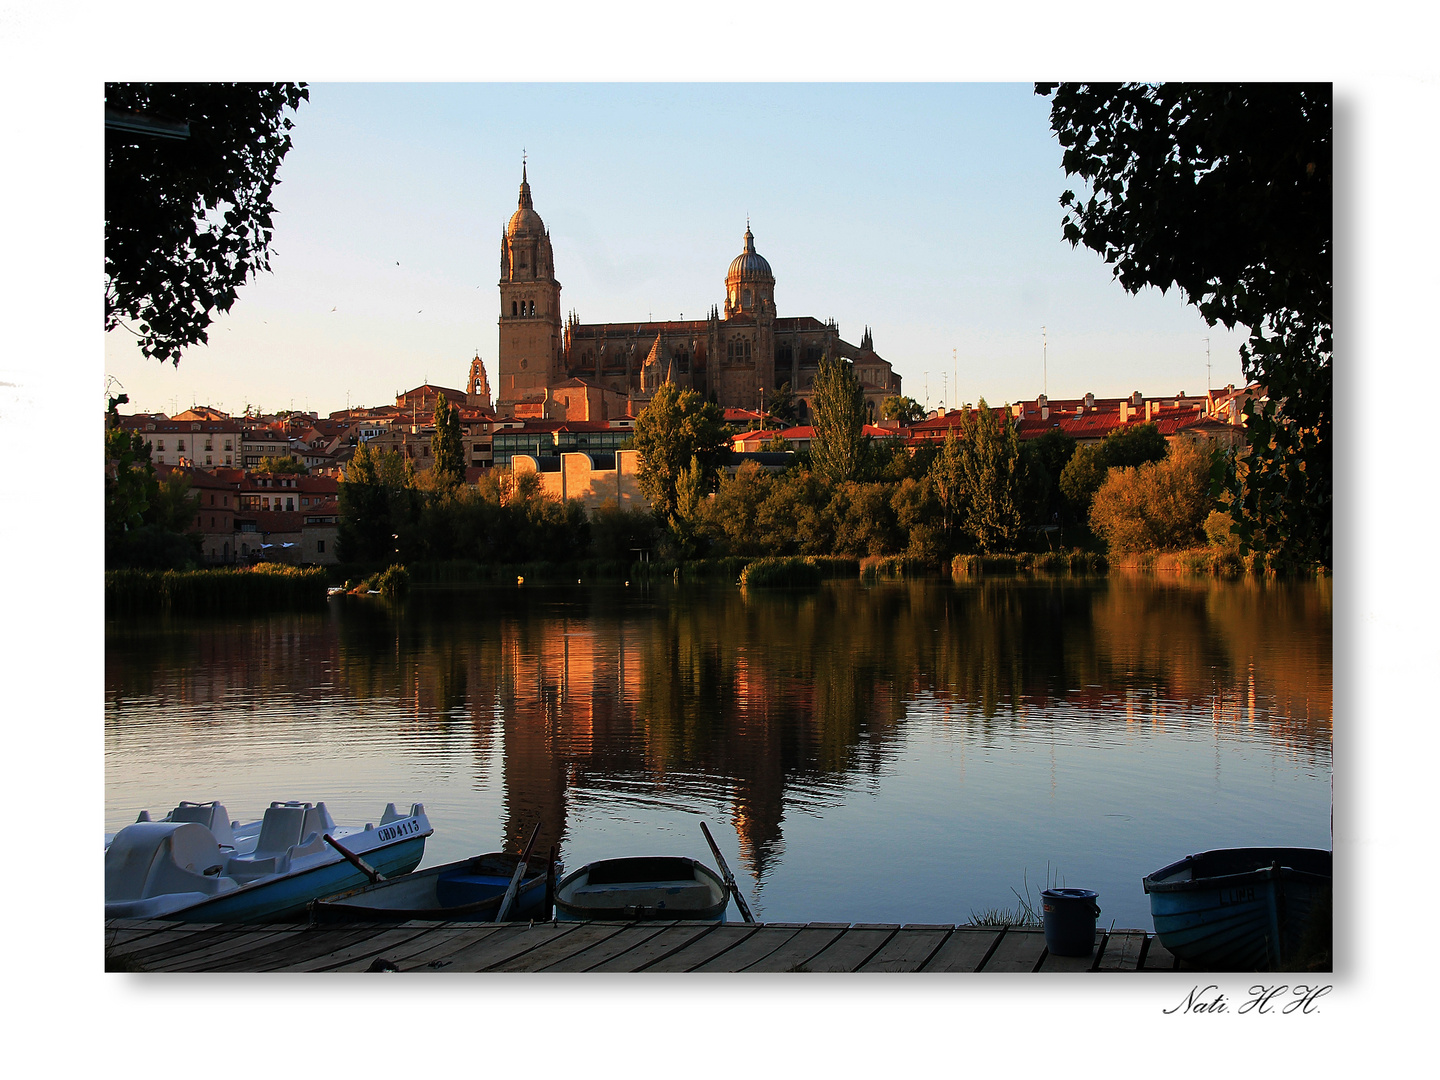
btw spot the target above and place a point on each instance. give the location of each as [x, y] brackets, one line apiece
[1225, 191]
[188, 221]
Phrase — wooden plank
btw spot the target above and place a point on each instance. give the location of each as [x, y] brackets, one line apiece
[965, 949]
[630, 937]
[496, 944]
[157, 941]
[555, 951]
[1018, 950]
[217, 948]
[766, 939]
[1156, 957]
[309, 942]
[796, 954]
[670, 940]
[428, 949]
[118, 932]
[720, 938]
[1051, 962]
[184, 940]
[852, 949]
[907, 949]
[384, 939]
[1122, 951]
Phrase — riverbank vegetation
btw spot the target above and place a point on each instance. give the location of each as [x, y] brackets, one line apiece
[266, 587]
[980, 501]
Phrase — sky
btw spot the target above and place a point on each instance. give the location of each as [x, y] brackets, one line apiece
[928, 212]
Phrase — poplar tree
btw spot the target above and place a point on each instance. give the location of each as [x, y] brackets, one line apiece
[838, 404]
[990, 465]
[446, 448]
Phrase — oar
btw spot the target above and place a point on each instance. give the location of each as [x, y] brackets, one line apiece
[514, 888]
[356, 861]
[729, 877]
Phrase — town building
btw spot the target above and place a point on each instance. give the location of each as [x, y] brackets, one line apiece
[549, 369]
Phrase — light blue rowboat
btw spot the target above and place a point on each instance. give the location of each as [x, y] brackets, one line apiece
[196, 866]
[1239, 909]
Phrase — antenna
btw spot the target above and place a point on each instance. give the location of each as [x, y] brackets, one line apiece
[1208, 387]
[1044, 363]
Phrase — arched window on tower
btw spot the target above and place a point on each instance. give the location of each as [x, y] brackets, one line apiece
[532, 307]
[513, 310]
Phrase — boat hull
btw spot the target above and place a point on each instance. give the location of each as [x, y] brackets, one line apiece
[287, 897]
[649, 887]
[1239, 909]
[470, 890]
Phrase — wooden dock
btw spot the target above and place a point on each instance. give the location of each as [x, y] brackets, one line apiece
[157, 945]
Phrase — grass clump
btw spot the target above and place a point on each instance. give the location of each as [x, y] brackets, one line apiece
[265, 587]
[781, 573]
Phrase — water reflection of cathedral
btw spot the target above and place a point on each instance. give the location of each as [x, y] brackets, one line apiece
[737, 351]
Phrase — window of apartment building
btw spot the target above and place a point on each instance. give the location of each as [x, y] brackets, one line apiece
[160, 445]
[209, 444]
[227, 445]
[180, 445]
[207, 459]
[290, 503]
[320, 546]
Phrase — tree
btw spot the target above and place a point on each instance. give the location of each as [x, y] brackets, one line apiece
[1158, 506]
[837, 450]
[377, 510]
[905, 409]
[1136, 444]
[145, 518]
[446, 448]
[1225, 192]
[189, 220]
[676, 427]
[990, 466]
[947, 473]
[285, 464]
[780, 405]
[1081, 478]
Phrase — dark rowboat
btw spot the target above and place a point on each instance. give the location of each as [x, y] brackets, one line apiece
[465, 891]
[1239, 909]
[646, 887]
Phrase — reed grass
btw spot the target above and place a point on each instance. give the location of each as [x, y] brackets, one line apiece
[266, 587]
[781, 573]
[1045, 562]
[875, 567]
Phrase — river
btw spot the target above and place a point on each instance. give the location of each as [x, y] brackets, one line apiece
[917, 752]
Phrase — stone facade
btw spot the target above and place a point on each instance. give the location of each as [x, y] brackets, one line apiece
[736, 354]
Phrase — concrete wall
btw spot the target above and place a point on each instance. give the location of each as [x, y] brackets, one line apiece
[578, 478]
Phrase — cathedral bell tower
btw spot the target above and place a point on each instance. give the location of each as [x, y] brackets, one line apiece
[530, 321]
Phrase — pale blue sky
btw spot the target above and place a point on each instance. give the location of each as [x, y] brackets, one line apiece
[927, 211]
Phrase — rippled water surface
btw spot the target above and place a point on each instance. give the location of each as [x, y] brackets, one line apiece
[912, 752]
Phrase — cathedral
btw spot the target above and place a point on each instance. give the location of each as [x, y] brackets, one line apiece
[558, 368]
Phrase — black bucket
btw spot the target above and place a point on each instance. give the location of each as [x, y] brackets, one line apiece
[1070, 916]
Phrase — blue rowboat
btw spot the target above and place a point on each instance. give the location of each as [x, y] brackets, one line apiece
[646, 887]
[466, 891]
[196, 866]
[1238, 909]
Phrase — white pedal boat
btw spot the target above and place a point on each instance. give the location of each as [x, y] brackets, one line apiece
[199, 866]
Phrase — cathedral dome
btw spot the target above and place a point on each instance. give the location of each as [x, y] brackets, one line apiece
[525, 219]
[749, 265]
